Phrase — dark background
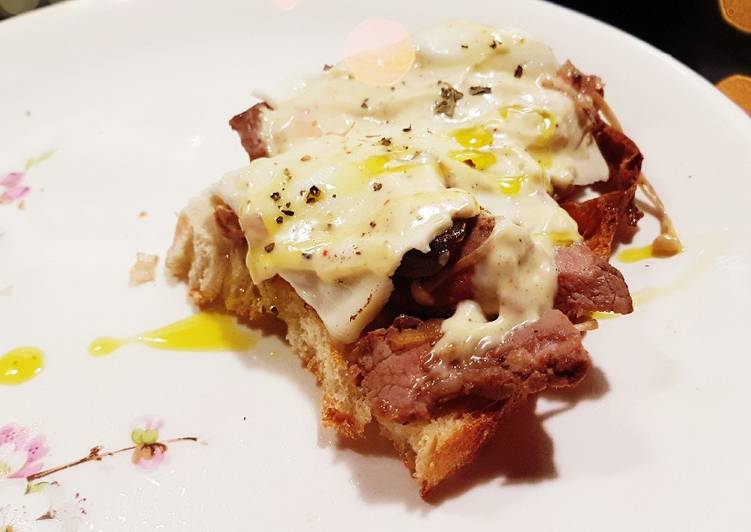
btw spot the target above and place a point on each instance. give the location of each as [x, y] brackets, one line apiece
[693, 31]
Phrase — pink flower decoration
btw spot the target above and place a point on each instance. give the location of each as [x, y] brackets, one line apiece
[149, 457]
[36, 449]
[12, 179]
[15, 193]
[13, 189]
[12, 433]
[149, 452]
[16, 443]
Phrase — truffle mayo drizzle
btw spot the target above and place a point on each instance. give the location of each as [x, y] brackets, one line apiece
[360, 174]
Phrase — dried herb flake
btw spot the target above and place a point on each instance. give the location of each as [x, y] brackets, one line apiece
[447, 104]
[475, 90]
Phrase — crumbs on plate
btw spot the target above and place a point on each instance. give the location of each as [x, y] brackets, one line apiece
[144, 269]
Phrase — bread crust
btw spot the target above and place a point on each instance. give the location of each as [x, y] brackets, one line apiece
[213, 267]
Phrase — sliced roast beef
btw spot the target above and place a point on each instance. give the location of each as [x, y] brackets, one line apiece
[588, 283]
[612, 216]
[404, 382]
[248, 125]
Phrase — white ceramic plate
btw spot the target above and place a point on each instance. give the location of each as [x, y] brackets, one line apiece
[133, 98]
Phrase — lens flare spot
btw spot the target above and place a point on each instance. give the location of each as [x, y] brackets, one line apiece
[379, 52]
[285, 5]
[737, 13]
[738, 88]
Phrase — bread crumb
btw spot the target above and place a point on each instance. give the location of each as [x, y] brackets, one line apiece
[143, 214]
[144, 270]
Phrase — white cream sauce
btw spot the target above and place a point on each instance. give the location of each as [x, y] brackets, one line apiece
[515, 281]
[390, 173]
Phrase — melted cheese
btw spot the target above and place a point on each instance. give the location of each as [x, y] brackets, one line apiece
[516, 281]
[359, 174]
[335, 224]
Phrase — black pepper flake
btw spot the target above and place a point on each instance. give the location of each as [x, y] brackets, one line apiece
[495, 44]
[287, 173]
[385, 141]
[275, 196]
[279, 219]
[468, 162]
[519, 71]
[407, 129]
[327, 67]
[288, 204]
[447, 104]
[307, 255]
[288, 212]
[377, 186]
[372, 224]
[313, 193]
[393, 88]
[269, 247]
[333, 195]
[364, 103]
[475, 90]
[465, 46]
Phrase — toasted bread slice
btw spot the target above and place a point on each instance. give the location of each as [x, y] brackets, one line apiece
[213, 266]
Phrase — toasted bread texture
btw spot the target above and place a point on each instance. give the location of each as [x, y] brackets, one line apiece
[213, 266]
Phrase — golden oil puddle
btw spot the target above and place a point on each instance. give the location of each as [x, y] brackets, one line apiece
[636, 254]
[605, 315]
[201, 332]
[473, 137]
[643, 253]
[20, 365]
[693, 272]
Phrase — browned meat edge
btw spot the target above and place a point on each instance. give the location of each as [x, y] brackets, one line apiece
[402, 381]
[248, 125]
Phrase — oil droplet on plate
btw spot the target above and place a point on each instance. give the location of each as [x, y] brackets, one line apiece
[20, 365]
[605, 315]
[636, 254]
[201, 332]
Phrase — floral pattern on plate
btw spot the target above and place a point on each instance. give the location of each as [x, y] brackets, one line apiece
[27, 505]
[12, 184]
